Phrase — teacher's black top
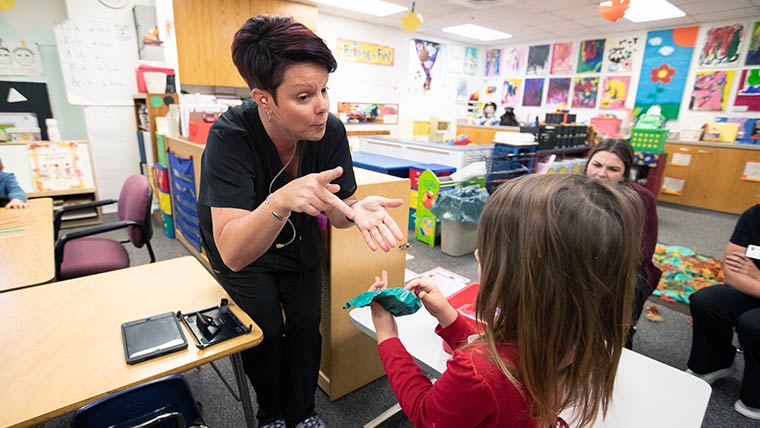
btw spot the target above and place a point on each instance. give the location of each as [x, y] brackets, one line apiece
[747, 230]
[239, 163]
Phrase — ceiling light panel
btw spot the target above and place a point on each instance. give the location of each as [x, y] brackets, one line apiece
[476, 32]
[369, 7]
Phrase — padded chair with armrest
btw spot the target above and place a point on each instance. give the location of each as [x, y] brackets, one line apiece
[165, 402]
[80, 253]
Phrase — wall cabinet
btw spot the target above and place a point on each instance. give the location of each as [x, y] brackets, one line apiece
[712, 178]
[205, 29]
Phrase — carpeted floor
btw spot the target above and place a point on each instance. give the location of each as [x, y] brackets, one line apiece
[667, 341]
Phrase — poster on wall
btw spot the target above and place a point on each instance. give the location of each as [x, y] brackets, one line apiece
[424, 54]
[470, 61]
[590, 56]
[465, 89]
[514, 61]
[19, 59]
[562, 61]
[368, 113]
[753, 54]
[585, 90]
[615, 92]
[150, 47]
[493, 62]
[558, 92]
[748, 94]
[711, 90]
[664, 70]
[538, 59]
[63, 165]
[721, 45]
[534, 92]
[620, 54]
[368, 53]
[510, 92]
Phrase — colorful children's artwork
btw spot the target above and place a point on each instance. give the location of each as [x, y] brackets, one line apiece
[753, 53]
[533, 93]
[722, 45]
[562, 58]
[664, 70]
[585, 90]
[514, 61]
[470, 61]
[748, 94]
[19, 59]
[558, 92]
[493, 62]
[615, 92]
[368, 113]
[510, 92]
[620, 54]
[590, 56]
[465, 87]
[711, 90]
[369, 53]
[60, 166]
[538, 58]
[426, 53]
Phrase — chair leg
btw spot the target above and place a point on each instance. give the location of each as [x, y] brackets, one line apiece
[150, 251]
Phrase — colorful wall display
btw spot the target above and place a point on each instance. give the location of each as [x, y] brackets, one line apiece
[664, 70]
[748, 94]
[558, 91]
[368, 113]
[615, 92]
[721, 45]
[562, 58]
[533, 93]
[470, 61]
[369, 53]
[20, 59]
[585, 90]
[620, 54]
[590, 56]
[538, 59]
[514, 61]
[426, 53]
[510, 92]
[493, 62]
[711, 90]
[753, 54]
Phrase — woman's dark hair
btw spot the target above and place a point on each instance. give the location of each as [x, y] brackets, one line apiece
[266, 45]
[618, 147]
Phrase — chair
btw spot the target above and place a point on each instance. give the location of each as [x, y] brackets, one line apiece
[78, 253]
[165, 402]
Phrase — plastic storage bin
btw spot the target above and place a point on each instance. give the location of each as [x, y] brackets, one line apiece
[607, 125]
[458, 237]
[649, 140]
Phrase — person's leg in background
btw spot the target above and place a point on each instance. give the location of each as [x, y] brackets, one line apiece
[639, 300]
[259, 296]
[301, 301]
[748, 331]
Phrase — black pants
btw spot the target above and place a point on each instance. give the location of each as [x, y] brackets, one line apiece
[639, 299]
[283, 369]
[716, 312]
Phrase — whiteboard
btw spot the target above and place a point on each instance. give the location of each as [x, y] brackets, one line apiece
[98, 62]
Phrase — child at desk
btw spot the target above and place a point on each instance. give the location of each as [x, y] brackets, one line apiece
[555, 310]
[11, 194]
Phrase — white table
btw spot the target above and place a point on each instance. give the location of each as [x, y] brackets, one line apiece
[647, 392]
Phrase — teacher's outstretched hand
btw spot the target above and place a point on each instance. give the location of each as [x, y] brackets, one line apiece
[375, 224]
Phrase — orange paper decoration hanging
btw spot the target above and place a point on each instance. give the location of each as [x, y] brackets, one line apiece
[613, 10]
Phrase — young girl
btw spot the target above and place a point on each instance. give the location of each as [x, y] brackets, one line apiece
[554, 302]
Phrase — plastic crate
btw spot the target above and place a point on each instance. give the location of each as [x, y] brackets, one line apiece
[607, 125]
[649, 140]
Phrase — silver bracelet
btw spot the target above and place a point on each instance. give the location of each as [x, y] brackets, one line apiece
[274, 214]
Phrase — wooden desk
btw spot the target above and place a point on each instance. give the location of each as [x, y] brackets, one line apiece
[26, 255]
[63, 346]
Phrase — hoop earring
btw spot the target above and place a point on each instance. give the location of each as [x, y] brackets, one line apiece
[269, 116]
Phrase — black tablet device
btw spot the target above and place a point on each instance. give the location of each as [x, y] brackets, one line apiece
[151, 337]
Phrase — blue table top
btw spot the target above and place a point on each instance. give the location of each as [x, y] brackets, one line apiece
[382, 163]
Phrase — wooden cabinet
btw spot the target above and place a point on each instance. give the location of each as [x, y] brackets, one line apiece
[349, 357]
[205, 29]
[483, 134]
[712, 178]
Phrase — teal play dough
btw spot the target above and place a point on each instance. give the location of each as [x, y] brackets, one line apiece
[397, 301]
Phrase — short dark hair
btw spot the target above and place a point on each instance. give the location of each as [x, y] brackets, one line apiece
[618, 147]
[266, 45]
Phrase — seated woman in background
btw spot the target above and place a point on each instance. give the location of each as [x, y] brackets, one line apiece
[11, 194]
[555, 312]
[718, 310]
[612, 160]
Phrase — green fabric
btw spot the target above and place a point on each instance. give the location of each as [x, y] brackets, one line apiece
[397, 301]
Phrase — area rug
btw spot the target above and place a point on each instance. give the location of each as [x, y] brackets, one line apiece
[684, 272]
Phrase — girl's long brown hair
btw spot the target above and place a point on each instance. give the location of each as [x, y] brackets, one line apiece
[558, 255]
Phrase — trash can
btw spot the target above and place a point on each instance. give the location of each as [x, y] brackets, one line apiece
[459, 211]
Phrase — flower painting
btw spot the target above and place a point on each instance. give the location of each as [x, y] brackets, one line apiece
[538, 57]
[533, 93]
[585, 90]
[620, 54]
[664, 70]
[562, 58]
[510, 92]
[711, 90]
[514, 61]
[722, 45]
[615, 92]
[590, 56]
[558, 92]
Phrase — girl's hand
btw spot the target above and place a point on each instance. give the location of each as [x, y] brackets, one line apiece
[375, 224]
[385, 324]
[16, 204]
[433, 300]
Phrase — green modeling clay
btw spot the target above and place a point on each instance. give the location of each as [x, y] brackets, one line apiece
[396, 300]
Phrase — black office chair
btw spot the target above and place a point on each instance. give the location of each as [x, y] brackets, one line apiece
[162, 403]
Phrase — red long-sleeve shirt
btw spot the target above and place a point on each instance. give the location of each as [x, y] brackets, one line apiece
[472, 392]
